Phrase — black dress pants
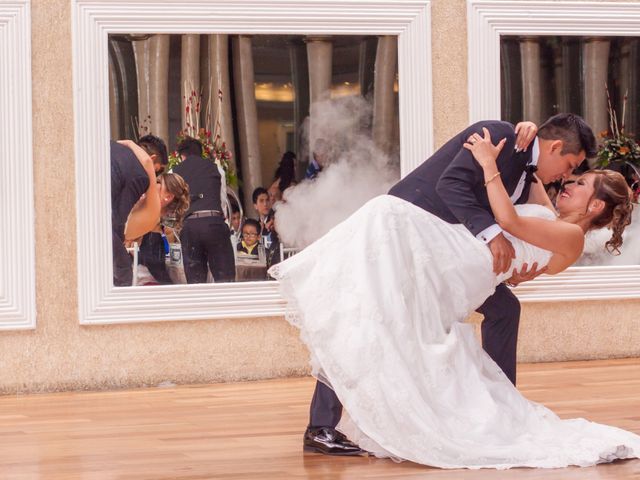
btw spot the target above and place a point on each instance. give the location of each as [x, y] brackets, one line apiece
[122, 262]
[499, 339]
[206, 243]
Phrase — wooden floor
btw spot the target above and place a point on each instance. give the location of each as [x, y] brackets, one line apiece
[253, 430]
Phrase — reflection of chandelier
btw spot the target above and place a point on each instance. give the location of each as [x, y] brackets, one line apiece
[270, 92]
[345, 89]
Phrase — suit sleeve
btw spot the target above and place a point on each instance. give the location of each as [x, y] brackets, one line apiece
[129, 180]
[458, 184]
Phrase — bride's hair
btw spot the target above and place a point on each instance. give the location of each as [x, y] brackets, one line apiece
[176, 185]
[611, 187]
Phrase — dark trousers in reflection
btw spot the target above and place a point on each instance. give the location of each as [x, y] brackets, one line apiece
[206, 246]
[122, 263]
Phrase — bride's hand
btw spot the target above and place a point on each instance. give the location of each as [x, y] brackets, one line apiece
[483, 150]
[526, 132]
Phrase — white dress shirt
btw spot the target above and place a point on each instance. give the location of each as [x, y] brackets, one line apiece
[492, 231]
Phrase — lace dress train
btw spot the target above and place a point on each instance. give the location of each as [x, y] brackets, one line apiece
[380, 302]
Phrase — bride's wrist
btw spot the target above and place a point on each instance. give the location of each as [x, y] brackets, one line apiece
[490, 171]
[488, 178]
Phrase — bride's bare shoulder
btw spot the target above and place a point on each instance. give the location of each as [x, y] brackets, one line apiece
[570, 247]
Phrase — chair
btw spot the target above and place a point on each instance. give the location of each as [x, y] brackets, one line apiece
[286, 252]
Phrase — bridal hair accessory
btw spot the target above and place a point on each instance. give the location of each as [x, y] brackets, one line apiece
[497, 174]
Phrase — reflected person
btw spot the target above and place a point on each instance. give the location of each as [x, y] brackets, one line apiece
[131, 177]
[205, 235]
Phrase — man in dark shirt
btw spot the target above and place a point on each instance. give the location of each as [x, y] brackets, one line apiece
[205, 236]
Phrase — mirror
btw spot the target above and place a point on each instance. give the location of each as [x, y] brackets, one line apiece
[597, 78]
[489, 22]
[93, 21]
[279, 114]
[17, 237]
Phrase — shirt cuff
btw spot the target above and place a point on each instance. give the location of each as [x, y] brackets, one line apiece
[489, 233]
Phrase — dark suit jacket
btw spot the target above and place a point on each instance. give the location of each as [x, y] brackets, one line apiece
[129, 181]
[450, 184]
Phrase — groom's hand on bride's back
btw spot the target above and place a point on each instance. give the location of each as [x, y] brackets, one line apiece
[525, 274]
[503, 253]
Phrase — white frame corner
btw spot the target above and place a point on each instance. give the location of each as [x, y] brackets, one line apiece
[486, 21]
[94, 20]
[17, 285]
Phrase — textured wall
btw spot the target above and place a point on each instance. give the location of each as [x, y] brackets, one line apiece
[60, 354]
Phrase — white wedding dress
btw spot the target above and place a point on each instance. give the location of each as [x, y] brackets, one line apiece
[380, 301]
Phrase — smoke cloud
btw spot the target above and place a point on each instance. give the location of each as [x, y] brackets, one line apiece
[357, 171]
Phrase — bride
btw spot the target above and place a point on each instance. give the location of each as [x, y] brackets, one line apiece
[386, 329]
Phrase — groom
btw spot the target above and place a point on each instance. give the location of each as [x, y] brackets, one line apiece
[450, 185]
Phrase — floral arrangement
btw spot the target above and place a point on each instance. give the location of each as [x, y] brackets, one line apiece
[619, 150]
[212, 147]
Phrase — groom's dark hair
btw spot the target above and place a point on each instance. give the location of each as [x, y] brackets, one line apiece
[155, 145]
[574, 132]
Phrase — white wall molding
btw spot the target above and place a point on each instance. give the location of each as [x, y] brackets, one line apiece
[93, 21]
[583, 283]
[487, 21]
[17, 281]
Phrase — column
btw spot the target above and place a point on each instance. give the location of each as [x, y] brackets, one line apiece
[366, 64]
[531, 79]
[152, 65]
[190, 78]
[560, 69]
[300, 80]
[123, 89]
[244, 88]
[320, 55]
[219, 88]
[114, 99]
[141, 55]
[628, 75]
[595, 53]
[383, 95]
[159, 85]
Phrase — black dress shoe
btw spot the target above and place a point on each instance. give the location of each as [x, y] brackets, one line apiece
[329, 441]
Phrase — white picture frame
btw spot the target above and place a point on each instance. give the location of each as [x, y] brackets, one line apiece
[17, 236]
[99, 301]
[487, 20]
